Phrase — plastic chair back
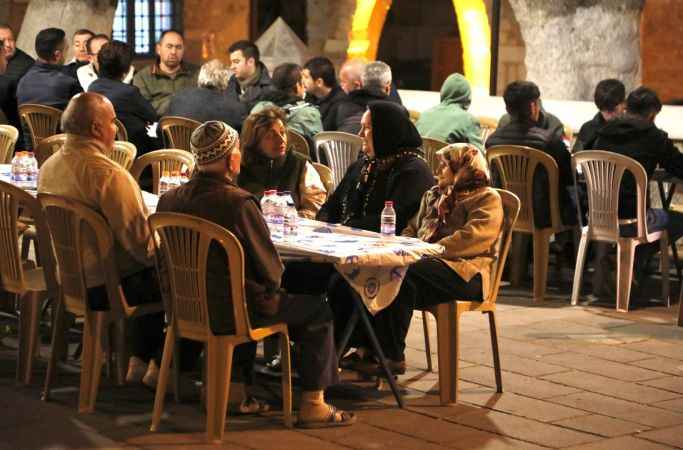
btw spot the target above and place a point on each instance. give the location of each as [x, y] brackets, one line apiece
[298, 143]
[326, 176]
[170, 160]
[184, 243]
[516, 166]
[123, 153]
[430, 147]
[341, 150]
[42, 121]
[8, 141]
[603, 172]
[511, 207]
[487, 125]
[48, 146]
[121, 132]
[176, 131]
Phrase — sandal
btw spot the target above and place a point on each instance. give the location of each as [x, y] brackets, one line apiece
[250, 405]
[337, 418]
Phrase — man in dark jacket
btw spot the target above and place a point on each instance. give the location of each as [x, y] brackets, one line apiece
[250, 78]
[635, 135]
[609, 98]
[522, 102]
[213, 195]
[322, 89]
[45, 83]
[18, 62]
[210, 100]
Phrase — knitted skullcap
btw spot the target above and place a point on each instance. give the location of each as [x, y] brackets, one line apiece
[211, 141]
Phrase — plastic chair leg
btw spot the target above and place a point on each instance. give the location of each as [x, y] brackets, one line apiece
[93, 355]
[680, 309]
[219, 365]
[28, 336]
[428, 346]
[159, 396]
[494, 349]
[578, 271]
[286, 366]
[626, 250]
[664, 268]
[519, 255]
[541, 251]
[58, 338]
[121, 350]
[447, 321]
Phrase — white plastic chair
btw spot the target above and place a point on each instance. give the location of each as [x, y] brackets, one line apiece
[341, 150]
[8, 140]
[603, 172]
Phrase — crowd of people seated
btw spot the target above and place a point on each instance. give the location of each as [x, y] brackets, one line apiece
[241, 149]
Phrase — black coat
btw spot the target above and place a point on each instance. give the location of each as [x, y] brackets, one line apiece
[132, 109]
[588, 134]
[47, 84]
[253, 93]
[18, 65]
[204, 104]
[351, 111]
[329, 105]
[548, 141]
[643, 141]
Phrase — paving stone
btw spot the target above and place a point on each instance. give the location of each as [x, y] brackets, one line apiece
[513, 382]
[620, 409]
[622, 443]
[663, 365]
[512, 363]
[613, 388]
[669, 436]
[659, 348]
[363, 436]
[672, 405]
[616, 353]
[602, 425]
[525, 429]
[600, 366]
[674, 384]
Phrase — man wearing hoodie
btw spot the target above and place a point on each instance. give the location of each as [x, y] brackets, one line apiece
[635, 135]
[449, 121]
[250, 79]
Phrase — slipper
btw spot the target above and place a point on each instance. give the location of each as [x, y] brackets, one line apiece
[337, 418]
[250, 405]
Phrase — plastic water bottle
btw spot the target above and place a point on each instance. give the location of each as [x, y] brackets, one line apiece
[267, 204]
[278, 215]
[164, 182]
[19, 167]
[15, 169]
[31, 171]
[291, 216]
[388, 220]
[174, 180]
[184, 177]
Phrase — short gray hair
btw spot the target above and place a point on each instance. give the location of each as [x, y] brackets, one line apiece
[214, 74]
[376, 74]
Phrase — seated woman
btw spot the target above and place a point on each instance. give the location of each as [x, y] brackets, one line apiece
[269, 164]
[465, 215]
[134, 111]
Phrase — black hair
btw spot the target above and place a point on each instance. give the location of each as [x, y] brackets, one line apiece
[286, 76]
[114, 60]
[165, 32]
[609, 94]
[48, 41]
[322, 67]
[88, 43]
[643, 102]
[518, 95]
[248, 49]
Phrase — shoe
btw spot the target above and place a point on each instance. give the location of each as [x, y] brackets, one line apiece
[152, 375]
[337, 418]
[137, 369]
[373, 367]
[249, 406]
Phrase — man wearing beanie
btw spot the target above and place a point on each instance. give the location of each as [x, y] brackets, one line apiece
[212, 194]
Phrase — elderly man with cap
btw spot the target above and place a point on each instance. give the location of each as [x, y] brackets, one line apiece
[212, 194]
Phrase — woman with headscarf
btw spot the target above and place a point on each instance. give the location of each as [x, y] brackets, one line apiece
[390, 168]
[270, 164]
[449, 121]
[464, 215]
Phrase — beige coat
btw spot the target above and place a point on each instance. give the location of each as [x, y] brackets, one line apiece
[471, 233]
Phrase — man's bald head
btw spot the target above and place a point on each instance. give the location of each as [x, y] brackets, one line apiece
[350, 75]
[90, 115]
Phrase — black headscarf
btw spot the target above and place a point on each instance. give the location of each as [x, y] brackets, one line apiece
[392, 129]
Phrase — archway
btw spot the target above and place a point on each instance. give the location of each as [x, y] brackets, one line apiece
[473, 25]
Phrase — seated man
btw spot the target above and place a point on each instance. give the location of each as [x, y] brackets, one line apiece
[46, 83]
[449, 121]
[609, 98]
[288, 94]
[80, 52]
[465, 215]
[168, 75]
[213, 195]
[545, 121]
[250, 79]
[88, 73]
[522, 102]
[210, 100]
[635, 135]
[322, 89]
[81, 171]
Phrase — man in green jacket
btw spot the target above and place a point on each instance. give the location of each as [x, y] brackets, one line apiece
[449, 121]
[168, 75]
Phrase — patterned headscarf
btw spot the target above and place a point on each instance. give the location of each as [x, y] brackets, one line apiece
[470, 173]
[211, 141]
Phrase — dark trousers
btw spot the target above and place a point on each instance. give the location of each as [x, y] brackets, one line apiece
[657, 219]
[428, 282]
[309, 321]
[145, 333]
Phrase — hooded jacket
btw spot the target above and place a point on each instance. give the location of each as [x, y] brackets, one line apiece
[641, 140]
[302, 117]
[397, 173]
[588, 133]
[449, 121]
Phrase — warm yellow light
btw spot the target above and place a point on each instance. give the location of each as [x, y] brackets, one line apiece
[366, 28]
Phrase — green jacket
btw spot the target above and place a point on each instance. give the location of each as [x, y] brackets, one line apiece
[302, 117]
[449, 121]
[158, 87]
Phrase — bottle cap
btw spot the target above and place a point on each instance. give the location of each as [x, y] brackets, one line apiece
[270, 192]
[389, 203]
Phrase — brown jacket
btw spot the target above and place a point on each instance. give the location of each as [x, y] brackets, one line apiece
[471, 233]
[219, 200]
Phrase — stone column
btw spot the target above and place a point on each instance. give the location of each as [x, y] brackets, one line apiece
[69, 15]
[573, 44]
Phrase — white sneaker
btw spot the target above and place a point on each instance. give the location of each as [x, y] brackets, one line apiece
[152, 375]
[136, 370]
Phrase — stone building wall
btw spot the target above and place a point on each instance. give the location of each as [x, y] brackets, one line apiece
[511, 49]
